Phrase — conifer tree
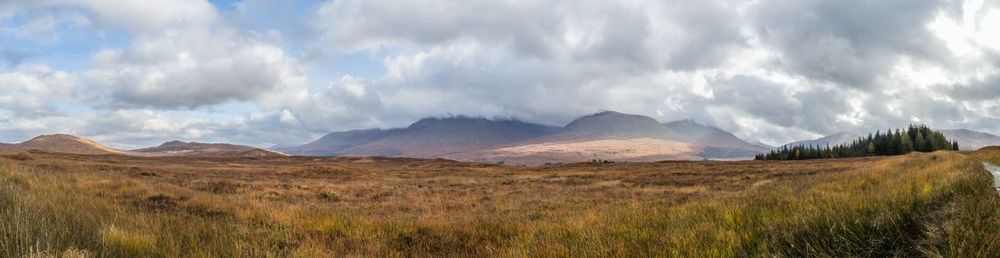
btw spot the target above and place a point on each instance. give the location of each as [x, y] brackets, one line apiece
[919, 143]
[906, 145]
[891, 142]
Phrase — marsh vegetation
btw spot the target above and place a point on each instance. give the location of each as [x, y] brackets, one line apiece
[921, 204]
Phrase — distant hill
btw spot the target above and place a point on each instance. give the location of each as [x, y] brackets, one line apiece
[718, 143]
[337, 143]
[195, 149]
[763, 145]
[971, 140]
[831, 140]
[62, 143]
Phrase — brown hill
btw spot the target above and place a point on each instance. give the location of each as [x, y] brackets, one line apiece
[195, 149]
[337, 143]
[63, 143]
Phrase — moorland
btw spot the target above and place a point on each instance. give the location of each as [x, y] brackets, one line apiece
[921, 204]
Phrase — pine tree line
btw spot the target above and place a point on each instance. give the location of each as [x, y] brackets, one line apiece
[891, 142]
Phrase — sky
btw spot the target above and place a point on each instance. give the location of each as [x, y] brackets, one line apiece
[136, 73]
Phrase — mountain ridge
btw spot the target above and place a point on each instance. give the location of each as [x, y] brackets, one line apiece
[197, 149]
[719, 143]
[471, 138]
[969, 140]
[835, 139]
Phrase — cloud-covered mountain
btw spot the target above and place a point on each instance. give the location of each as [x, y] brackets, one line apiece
[606, 135]
[831, 140]
[429, 137]
[971, 140]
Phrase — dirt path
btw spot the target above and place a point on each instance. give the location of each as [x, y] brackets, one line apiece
[995, 170]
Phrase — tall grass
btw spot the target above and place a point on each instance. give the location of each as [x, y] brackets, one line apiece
[939, 204]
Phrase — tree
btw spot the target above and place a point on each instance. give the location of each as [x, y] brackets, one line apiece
[954, 146]
[914, 138]
[905, 144]
[919, 143]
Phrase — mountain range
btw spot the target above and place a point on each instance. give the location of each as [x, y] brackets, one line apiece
[840, 138]
[605, 135]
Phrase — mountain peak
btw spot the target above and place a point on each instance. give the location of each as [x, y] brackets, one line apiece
[173, 143]
[451, 120]
[55, 137]
[616, 125]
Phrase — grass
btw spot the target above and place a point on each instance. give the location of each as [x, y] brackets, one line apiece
[938, 204]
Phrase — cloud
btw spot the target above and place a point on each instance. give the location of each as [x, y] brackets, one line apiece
[851, 42]
[190, 69]
[31, 91]
[181, 54]
[590, 31]
[266, 72]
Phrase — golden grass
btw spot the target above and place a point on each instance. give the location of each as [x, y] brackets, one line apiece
[939, 204]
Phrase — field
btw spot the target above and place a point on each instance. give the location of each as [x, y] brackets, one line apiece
[937, 204]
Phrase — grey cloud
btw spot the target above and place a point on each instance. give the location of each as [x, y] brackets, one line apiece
[635, 35]
[815, 109]
[773, 70]
[987, 89]
[847, 42]
[366, 24]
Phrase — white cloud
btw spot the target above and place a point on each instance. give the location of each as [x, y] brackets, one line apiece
[773, 70]
[190, 69]
[30, 90]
